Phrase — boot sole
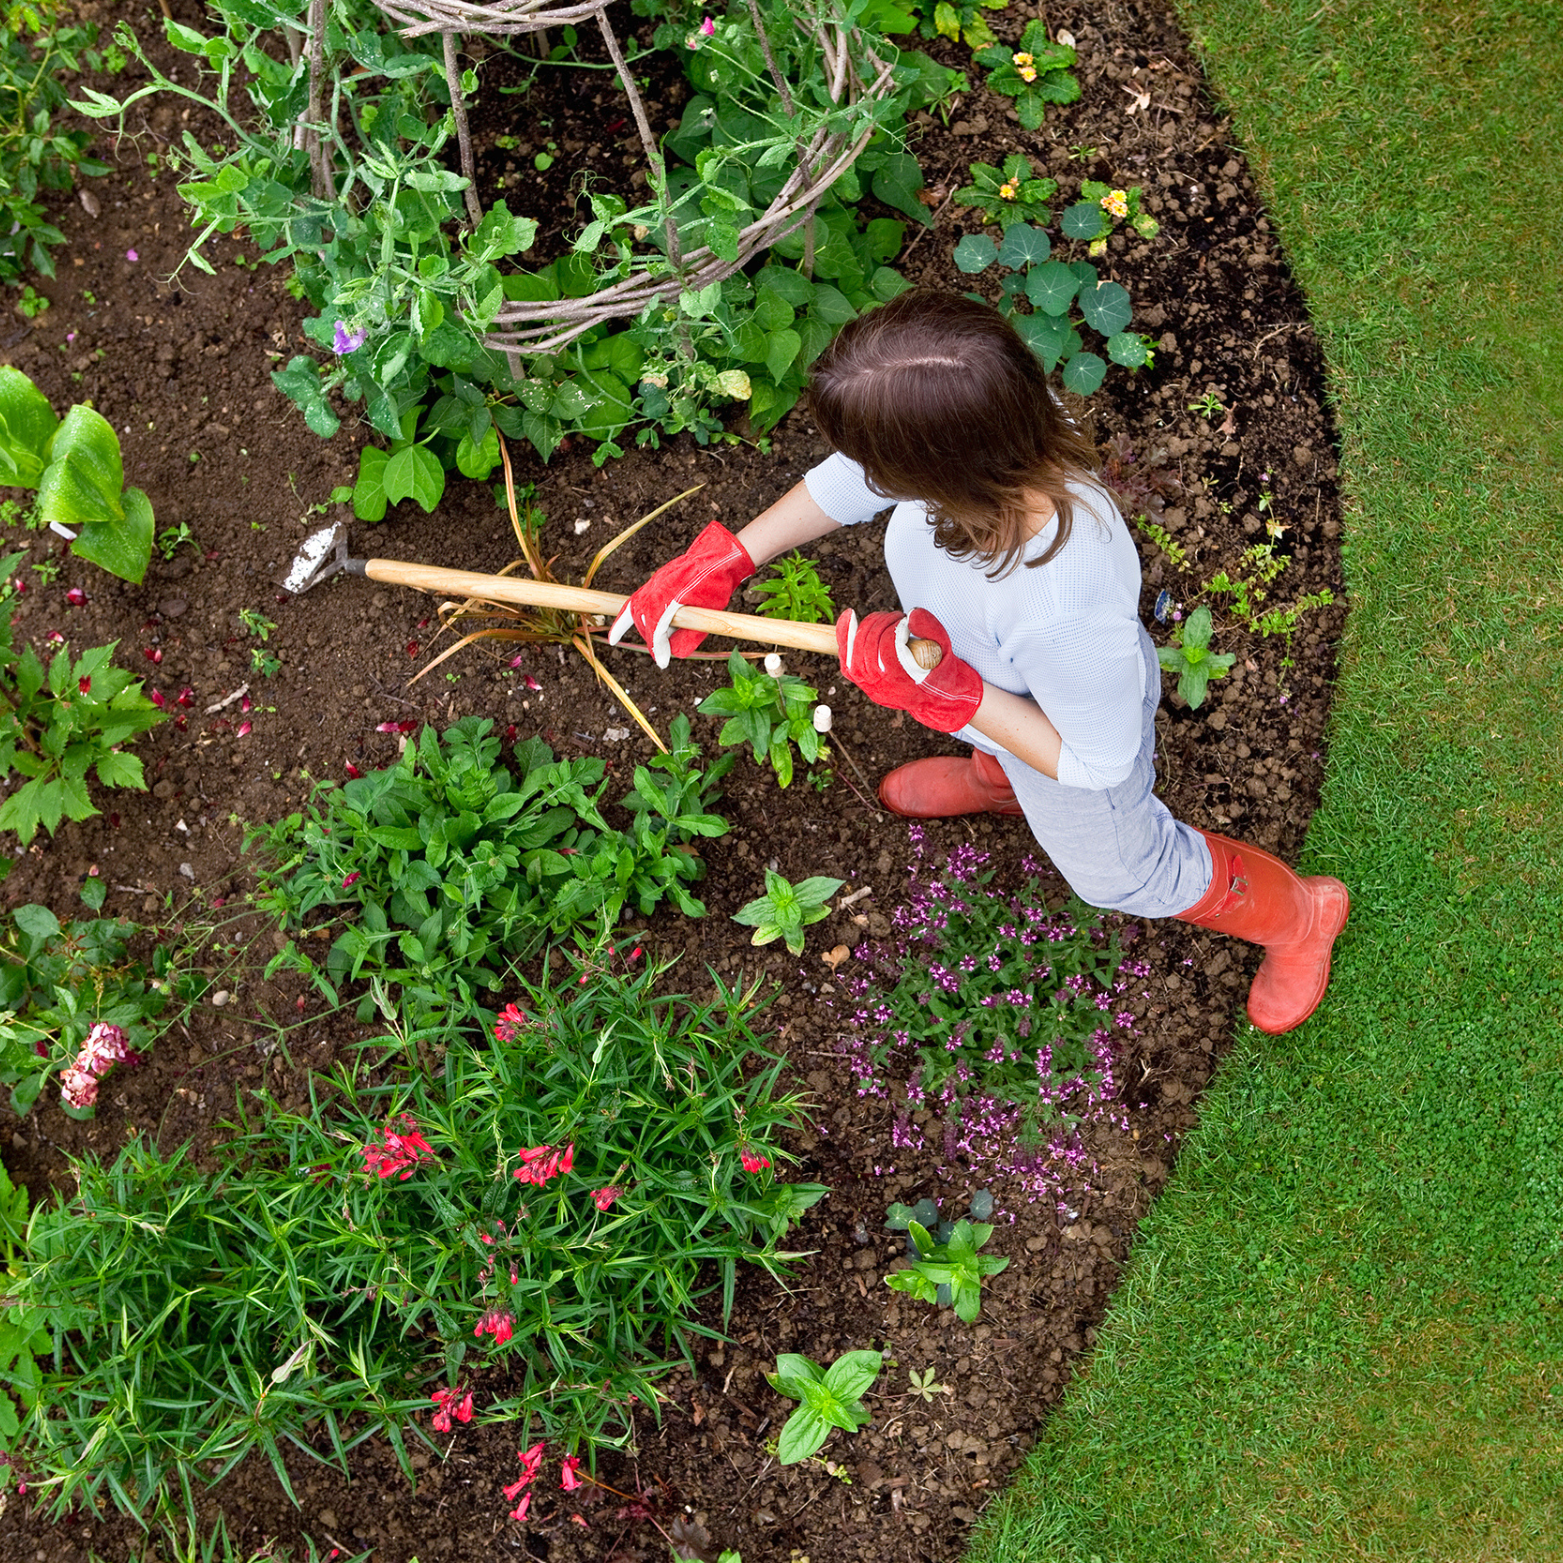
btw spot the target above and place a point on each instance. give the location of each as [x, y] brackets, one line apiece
[1333, 900]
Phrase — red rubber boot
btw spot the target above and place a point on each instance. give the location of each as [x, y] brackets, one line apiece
[1257, 897]
[938, 789]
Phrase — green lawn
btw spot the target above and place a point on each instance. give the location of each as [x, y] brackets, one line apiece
[1338, 1337]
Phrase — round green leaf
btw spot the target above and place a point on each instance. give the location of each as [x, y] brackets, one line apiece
[1084, 373]
[1085, 220]
[976, 252]
[1106, 308]
[1045, 335]
[477, 460]
[1052, 287]
[1024, 246]
[1128, 348]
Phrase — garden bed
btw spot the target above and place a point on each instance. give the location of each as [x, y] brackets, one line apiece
[182, 370]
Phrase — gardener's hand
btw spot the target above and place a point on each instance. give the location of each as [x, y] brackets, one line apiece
[715, 566]
[876, 657]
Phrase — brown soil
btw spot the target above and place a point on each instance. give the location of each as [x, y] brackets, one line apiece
[182, 370]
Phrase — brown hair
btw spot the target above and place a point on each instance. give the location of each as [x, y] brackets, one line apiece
[937, 398]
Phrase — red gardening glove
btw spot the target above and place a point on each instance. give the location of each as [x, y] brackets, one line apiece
[876, 657]
[715, 566]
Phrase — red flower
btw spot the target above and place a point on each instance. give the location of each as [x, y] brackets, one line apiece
[156, 697]
[498, 1323]
[567, 1477]
[353, 878]
[510, 1021]
[532, 1459]
[450, 1405]
[186, 697]
[519, 1512]
[542, 1162]
[635, 953]
[84, 686]
[153, 654]
[401, 1153]
[604, 1198]
[751, 1162]
[397, 727]
[353, 770]
[76, 597]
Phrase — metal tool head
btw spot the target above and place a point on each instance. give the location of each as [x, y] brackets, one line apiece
[324, 553]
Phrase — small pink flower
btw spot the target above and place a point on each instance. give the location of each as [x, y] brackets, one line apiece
[635, 953]
[751, 1162]
[531, 683]
[568, 1480]
[603, 1198]
[516, 662]
[55, 638]
[76, 597]
[353, 878]
[498, 1323]
[519, 1512]
[400, 1154]
[131, 256]
[70, 336]
[511, 1021]
[246, 705]
[532, 1460]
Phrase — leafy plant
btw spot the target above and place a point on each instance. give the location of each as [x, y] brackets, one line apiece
[1011, 194]
[75, 465]
[171, 539]
[59, 723]
[1101, 210]
[785, 909]
[1053, 288]
[32, 303]
[1034, 75]
[770, 714]
[22, 1336]
[1190, 657]
[925, 1386]
[59, 980]
[829, 1397]
[552, 1201]
[997, 1011]
[961, 21]
[36, 54]
[949, 1273]
[452, 865]
[1143, 482]
[796, 592]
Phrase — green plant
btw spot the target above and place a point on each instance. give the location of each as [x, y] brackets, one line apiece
[796, 592]
[36, 54]
[1101, 210]
[171, 539]
[30, 303]
[186, 1543]
[257, 624]
[1053, 287]
[949, 1272]
[409, 469]
[59, 980]
[551, 1201]
[958, 20]
[770, 714]
[75, 465]
[1034, 75]
[264, 663]
[1190, 657]
[829, 1397]
[925, 1386]
[785, 909]
[1177, 554]
[1011, 194]
[1208, 405]
[451, 865]
[22, 1336]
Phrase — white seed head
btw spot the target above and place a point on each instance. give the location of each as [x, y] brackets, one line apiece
[822, 719]
[773, 663]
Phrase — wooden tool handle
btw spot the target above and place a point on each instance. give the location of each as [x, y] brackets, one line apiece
[527, 593]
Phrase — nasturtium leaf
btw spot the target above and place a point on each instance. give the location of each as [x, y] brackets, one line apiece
[1128, 348]
[1024, 246]
[1052, 287]
[1084, 373]
[1106, 307]
[1045, 335]
[976, 252]
[414, 473]
[1084, 220]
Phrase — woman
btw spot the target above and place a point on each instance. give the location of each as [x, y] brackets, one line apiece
[1008, 554]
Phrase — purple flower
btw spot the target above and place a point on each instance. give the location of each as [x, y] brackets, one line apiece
[344, 341]
[131, 255]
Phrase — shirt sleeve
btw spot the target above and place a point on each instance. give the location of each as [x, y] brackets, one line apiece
[837, 485]
[1088, 675]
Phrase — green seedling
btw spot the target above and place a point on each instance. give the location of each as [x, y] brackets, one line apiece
[796, 592]
[259, 626]
[785, 909]
[1190, 657]
[950, 1273]
[829, 1397]
[770, 714]
[924, 1386]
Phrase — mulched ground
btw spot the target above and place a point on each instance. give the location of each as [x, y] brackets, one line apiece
[182, 369]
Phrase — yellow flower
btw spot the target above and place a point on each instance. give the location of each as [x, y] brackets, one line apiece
[1009, 189]
[1028, 73]
[1116, 202]
[1023, 58]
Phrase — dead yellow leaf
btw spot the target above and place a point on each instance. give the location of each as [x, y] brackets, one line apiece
[836, 956]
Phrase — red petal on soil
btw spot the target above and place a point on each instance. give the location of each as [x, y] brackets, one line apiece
[353, 770]
[186, 697]
[76, 597]
[397, 727]
[243, 731]
[153, 654]
[531, 683]
[412, 648]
